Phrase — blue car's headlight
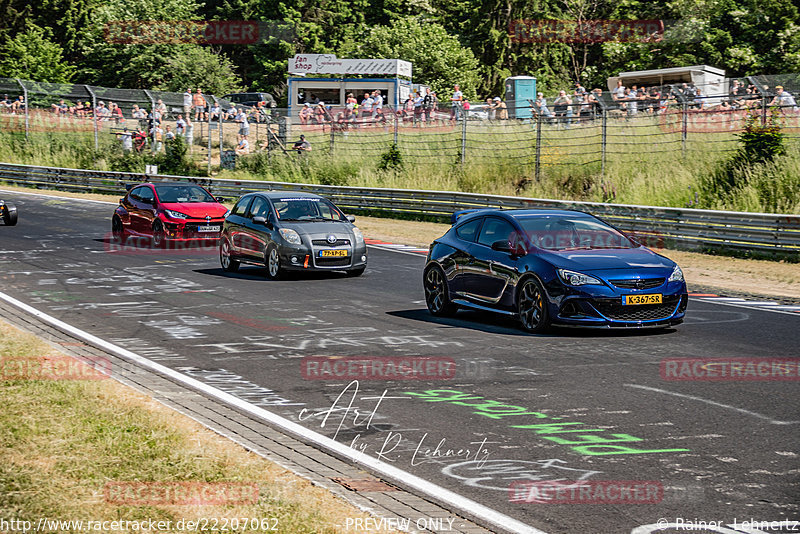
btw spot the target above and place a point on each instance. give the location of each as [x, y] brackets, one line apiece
[574, 278]
[676, 276]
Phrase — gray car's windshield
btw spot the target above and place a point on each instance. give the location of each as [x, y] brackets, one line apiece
[182, 193]
[307, 209]
[572, 233]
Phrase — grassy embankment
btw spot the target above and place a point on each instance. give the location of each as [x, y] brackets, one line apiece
[644, 162]
[62, 441]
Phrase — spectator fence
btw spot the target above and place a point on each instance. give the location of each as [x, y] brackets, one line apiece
[563, 136]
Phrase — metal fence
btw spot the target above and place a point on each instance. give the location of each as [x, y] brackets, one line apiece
[567, 134]
[656, 226]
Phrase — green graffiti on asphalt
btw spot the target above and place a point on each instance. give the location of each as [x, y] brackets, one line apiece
[581, 442]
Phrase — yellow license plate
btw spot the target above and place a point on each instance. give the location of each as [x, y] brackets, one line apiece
[641, 299]
[339, 253]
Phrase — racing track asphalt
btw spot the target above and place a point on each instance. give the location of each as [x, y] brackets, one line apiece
[248, 336]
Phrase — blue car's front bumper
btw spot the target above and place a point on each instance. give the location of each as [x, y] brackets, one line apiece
[602, 306]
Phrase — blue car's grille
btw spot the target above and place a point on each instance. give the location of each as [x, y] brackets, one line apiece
[637, 283]
[614, 310]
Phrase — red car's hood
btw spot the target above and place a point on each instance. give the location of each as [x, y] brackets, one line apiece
[197, 210]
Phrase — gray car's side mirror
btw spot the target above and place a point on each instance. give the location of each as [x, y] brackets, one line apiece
[259, 220]
[351, 218]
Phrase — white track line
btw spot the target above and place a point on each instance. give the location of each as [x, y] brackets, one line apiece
[404, 478]
[57, 196]
[743, 304]
[714, 403]
[381, 247]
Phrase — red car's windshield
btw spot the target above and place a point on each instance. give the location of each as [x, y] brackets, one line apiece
[170, 194]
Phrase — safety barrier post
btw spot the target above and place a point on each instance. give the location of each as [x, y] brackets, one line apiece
[93, 114]
[603, 141]
[538, 145]
[25, 98]
[463, 136]
[684, 127]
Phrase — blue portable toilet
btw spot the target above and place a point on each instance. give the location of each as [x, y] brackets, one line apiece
[520, 90]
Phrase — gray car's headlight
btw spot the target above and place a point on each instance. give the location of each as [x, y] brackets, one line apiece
[176, 214]
[574, 278]
[676, 276]
[290, 236]
[359, 236]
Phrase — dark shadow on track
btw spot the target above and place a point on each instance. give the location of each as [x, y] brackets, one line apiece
[254, 272]
[498, 324]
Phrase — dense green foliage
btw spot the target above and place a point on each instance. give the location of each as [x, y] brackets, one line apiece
[761, 143]
[449, 41]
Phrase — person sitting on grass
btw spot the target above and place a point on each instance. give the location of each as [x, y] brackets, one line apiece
[243, 147]
[302, 146]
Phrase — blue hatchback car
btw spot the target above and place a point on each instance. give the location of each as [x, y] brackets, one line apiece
[551, 267]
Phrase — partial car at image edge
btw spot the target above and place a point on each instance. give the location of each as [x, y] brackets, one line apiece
[8, 213]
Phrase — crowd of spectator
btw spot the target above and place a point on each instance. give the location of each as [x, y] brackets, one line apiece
[420, 108]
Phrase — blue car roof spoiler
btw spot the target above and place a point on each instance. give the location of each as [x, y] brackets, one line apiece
[458, 214]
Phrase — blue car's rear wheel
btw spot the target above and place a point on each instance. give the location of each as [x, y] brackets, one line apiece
[437, 296]
[531, 307]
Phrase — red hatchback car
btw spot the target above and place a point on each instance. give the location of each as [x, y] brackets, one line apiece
[168, 212]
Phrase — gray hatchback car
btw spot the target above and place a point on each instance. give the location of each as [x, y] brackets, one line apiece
[288, 231]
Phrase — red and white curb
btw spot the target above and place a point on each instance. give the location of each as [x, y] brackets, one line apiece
[739, 302]
[377, 243]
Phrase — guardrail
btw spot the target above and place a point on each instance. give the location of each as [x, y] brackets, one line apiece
[672, 227]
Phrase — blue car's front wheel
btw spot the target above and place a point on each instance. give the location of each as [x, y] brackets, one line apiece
[437, 297]
[531, 307]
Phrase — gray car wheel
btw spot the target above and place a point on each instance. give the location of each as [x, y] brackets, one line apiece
[272, 262]
[225, 258]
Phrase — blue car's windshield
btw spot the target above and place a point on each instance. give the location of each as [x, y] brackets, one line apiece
[307, 209]
[572, 233]
[182, 193]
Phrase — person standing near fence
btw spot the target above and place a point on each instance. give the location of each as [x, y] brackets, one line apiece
[199, 105]
[244, 125]
[501, 109]
[180, 125]
[427, 106]
[189, 134]
[365, 111]
[455, 103]
[157, 135]
[187, 102]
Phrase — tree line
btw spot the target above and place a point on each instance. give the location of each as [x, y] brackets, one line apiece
[448, 41]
